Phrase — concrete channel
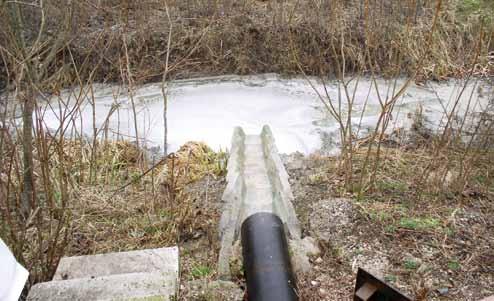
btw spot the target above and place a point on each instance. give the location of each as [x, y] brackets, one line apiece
[257, 183]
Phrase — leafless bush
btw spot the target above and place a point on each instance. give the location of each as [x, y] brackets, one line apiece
[52, 44]
[250, 36]
[391, 38]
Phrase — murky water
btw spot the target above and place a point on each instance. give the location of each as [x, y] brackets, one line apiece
[208, 109]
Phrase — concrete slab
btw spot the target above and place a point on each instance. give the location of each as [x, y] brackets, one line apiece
[162, 260]
[133, 286]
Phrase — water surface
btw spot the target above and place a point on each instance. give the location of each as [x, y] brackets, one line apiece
[208, 109]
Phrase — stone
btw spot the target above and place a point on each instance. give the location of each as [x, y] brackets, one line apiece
[309, 244]
[423, 269]
[374, 264]
[429, 283]
[300, 251]
[329, 218]
[294, 161]
[323, 292]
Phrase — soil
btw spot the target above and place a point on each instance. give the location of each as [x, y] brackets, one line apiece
[424, 264]
[202, 247]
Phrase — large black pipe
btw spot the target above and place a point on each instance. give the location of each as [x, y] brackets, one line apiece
[266, 261]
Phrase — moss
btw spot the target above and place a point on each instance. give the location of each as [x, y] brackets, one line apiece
[454, 265]
[420, 223]
[410, 264]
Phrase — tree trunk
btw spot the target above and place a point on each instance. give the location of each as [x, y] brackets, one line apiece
[27, 197]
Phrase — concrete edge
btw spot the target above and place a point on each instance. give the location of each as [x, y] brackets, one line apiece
[278, 176]
[232, 198]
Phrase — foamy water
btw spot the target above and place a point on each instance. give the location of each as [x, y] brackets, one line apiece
[208, 109]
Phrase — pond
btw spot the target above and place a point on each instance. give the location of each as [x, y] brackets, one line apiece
[207, 109]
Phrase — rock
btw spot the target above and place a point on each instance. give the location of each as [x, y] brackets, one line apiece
[443, 290]
[330, 218]
[309, 244]
[323, 292]
[429, 284]
[376, 265]
[408, 258]
[300, 251]
[451, 176]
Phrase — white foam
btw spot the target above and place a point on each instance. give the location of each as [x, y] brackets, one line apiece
[208, 109]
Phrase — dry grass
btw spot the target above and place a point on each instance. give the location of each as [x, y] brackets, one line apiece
[246, 37]
[435, 238]
[101, 196]
[120, 208]
[446, 226]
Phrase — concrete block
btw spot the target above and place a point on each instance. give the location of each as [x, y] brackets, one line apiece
[133, 286]
[162, 260]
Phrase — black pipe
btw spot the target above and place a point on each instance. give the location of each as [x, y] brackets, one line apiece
[266, 261]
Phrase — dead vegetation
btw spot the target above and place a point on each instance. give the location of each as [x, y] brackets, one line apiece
[62, 194]
[431, 240]
[251, 36]
[116, 207]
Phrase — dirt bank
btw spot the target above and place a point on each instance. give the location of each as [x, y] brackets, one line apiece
[124, 42]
